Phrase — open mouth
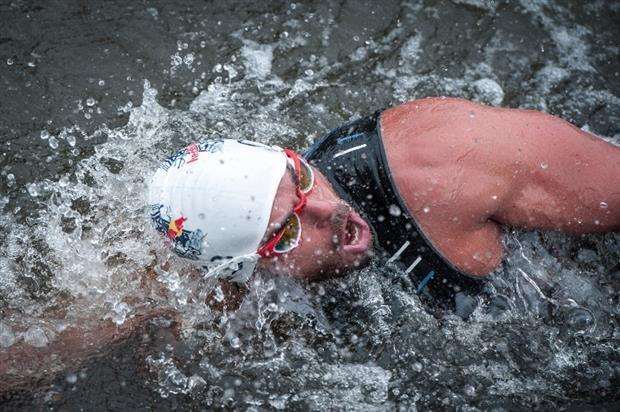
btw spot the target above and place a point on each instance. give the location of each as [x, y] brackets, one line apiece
[355, 237]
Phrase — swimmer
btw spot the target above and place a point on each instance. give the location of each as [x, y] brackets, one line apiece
[425, 186]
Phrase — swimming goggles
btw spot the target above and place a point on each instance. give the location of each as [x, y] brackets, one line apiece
[289, 236]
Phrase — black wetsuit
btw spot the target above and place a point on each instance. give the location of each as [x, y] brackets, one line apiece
[353, 159]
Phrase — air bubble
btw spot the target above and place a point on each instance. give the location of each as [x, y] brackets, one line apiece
[603, 205]
[544, 165]
[90, 101]
[426, 209]
[9, 62]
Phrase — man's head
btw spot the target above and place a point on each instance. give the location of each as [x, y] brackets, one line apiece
[234, 204]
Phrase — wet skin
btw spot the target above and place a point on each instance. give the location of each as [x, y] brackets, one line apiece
[334, 237]
[465, 169]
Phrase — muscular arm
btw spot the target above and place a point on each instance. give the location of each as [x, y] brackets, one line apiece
[464, 168]
[22, 364]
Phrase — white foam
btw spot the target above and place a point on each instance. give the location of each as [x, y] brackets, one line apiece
[258, 58]
[489, 91]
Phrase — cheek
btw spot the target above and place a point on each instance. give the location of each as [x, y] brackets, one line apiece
[317, 250]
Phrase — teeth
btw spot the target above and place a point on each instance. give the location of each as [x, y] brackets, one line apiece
[356, 233]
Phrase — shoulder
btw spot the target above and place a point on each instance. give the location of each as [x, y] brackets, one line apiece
[420, 116]
[439, 105]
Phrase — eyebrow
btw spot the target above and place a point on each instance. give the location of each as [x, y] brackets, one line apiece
[279, 225]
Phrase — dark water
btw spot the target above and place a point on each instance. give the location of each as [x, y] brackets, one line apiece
[95, 94]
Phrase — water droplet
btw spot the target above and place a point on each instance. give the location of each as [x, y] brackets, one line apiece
[44, 134]
[90, 101]
[71, 378]
[309, 72]
[544, 165]
[581, 320]
[153, 12]
[426, 209]
[469, 390]
[101, 82]
[235, 342]
[603, 205]
[494, 197]
[32, 189]
[596, 222]
[218, 294]
[71, 140]
[395, 210]
[53, 142]
[30, 64]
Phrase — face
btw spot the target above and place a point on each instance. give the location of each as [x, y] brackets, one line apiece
[334, 237]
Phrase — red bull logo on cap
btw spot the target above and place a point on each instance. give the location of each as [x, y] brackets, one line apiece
[186, 243]
[193, 150]
[175, 228]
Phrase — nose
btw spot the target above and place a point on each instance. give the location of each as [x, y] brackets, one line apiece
[321, 210]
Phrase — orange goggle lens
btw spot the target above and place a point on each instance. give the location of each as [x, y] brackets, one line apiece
[291, 233]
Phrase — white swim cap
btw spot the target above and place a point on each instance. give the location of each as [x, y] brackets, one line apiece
[213, 200]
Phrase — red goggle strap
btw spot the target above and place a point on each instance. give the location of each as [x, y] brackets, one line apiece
[301, 195]
[267, 249]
